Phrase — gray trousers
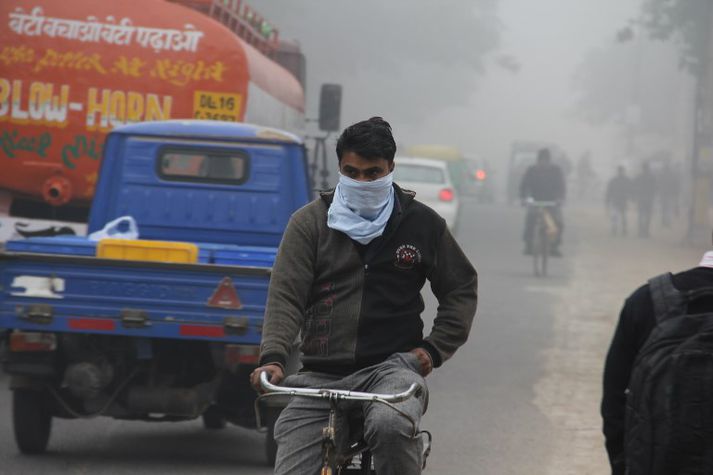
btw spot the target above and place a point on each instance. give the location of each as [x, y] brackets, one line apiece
[298, 431]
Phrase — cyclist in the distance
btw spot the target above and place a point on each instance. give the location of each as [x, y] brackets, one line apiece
[347, 279]
[543, 181]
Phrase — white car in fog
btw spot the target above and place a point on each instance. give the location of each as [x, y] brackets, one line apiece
[430, 180]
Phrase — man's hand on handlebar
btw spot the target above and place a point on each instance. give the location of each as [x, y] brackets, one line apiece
[274, 370]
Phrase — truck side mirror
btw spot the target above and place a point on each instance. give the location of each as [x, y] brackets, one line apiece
[330, 107]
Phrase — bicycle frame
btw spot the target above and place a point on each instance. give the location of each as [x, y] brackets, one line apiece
[334, 396]
[542, 235]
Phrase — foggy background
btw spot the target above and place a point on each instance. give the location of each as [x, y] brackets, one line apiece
[585, 75]
[480, 74]
[523, 395]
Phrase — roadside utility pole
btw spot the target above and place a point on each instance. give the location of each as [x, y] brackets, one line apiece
[699, 225]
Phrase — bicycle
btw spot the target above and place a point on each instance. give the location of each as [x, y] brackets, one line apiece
[543, 235]
[357, 459]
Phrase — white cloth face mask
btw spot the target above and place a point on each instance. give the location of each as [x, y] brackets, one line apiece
[361, 209]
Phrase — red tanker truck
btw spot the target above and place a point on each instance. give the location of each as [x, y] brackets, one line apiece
[71, 71]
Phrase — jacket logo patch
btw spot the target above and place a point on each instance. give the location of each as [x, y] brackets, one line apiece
[407, 257]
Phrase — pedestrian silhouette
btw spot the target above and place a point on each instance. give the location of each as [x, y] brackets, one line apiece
[619, 191]
[645, 193]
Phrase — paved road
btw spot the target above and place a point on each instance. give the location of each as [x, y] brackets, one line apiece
[505, 404]
[482, 412]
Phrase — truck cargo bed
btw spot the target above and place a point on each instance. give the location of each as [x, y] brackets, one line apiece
[59, 292]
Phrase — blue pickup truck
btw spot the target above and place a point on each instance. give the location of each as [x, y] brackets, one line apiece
[165, 327]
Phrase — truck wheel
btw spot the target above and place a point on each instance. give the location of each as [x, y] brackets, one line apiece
[213, 419]
[270, 444]
[31, 419]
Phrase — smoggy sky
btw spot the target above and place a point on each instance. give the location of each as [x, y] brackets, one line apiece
[431, 68]
[550, 39]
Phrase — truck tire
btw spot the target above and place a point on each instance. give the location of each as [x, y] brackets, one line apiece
[213, 419]
[31, 419]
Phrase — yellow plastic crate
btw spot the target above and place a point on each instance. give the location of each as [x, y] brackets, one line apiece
[140, 250]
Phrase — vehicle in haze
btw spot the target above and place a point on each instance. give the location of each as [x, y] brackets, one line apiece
[166, 326]
[522, 155]
[430, 179]
[71, 71]
[452, 156]
[480, 181]
[470, 176]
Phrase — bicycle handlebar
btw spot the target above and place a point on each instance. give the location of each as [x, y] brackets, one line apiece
[339, 394]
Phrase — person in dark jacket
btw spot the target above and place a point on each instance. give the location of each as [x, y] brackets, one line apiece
[636, 322]
[617, 198]
[543, 181]
[669, 186]
[347, 280]
[645, 193]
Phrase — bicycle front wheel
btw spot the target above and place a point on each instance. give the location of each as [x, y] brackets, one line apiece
[540, 251]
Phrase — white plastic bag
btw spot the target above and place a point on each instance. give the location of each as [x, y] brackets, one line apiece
[121, 228]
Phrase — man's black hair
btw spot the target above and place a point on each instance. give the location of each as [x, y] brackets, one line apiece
[370, 139]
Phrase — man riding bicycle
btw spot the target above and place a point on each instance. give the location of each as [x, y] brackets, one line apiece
[543, 181]
[347, 279]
